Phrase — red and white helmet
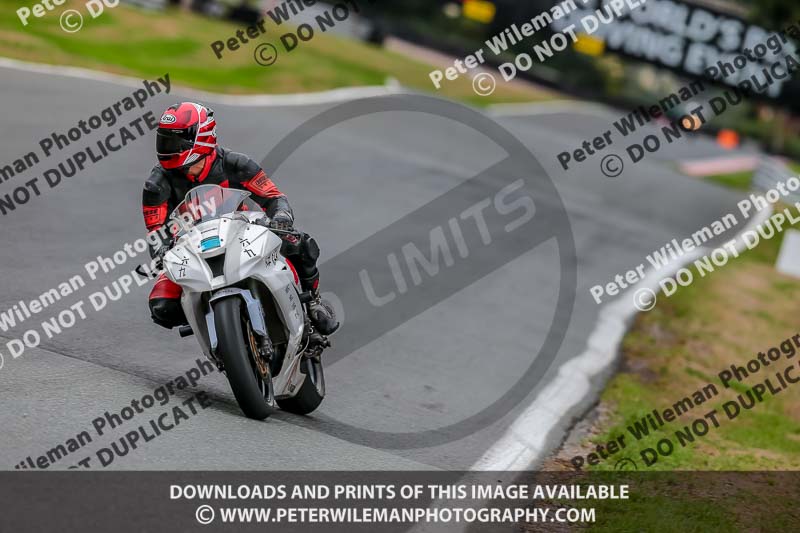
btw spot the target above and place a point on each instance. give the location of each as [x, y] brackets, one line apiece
[186, 134]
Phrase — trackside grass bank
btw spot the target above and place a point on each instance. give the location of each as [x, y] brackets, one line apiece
[135, 42]
[682, 346]
[742, 180]
[689, 347]
[693, 345]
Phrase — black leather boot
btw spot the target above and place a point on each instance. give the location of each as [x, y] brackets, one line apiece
[322, 314]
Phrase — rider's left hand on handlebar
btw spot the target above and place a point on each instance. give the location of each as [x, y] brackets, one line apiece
[282, 221]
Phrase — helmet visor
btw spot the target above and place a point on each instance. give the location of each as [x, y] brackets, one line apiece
[175, 141]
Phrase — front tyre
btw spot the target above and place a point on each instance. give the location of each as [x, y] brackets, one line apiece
[311, 392]
[235, 351]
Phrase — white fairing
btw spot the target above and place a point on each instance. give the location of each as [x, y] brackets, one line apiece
[251, 251]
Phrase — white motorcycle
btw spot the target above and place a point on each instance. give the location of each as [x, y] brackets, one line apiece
[244, 303]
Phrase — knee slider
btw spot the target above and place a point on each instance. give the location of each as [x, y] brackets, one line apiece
[167, 312]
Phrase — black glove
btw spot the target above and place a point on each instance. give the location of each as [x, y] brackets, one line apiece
[282, 220]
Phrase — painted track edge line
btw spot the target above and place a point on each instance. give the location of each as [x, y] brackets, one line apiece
[529, 438]
[552, 107]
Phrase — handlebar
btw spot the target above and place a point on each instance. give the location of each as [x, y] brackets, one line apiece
[293, 232]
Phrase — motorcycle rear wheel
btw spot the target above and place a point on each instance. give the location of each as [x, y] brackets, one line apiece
[233, 348]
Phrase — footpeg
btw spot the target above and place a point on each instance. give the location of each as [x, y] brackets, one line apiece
[316, 343]
[306, 297]
[185, 331]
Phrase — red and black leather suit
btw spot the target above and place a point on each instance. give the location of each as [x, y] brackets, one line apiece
[165, 189]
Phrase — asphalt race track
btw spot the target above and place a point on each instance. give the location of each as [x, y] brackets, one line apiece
[437, 368]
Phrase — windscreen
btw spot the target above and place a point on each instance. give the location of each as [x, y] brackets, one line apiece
[209, 202]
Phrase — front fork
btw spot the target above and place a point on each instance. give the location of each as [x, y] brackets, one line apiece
[254, 312]
[257, 337]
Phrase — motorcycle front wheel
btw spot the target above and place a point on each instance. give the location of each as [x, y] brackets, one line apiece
[312, 391]
[235, 347]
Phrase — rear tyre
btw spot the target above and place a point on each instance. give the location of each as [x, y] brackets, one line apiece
[311, 393]
[246, 383]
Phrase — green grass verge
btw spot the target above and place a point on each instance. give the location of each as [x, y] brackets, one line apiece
[735, 180]
[679, 347]
[135, 42]
[741, 180]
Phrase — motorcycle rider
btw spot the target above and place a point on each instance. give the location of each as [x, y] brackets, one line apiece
[188, 156]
